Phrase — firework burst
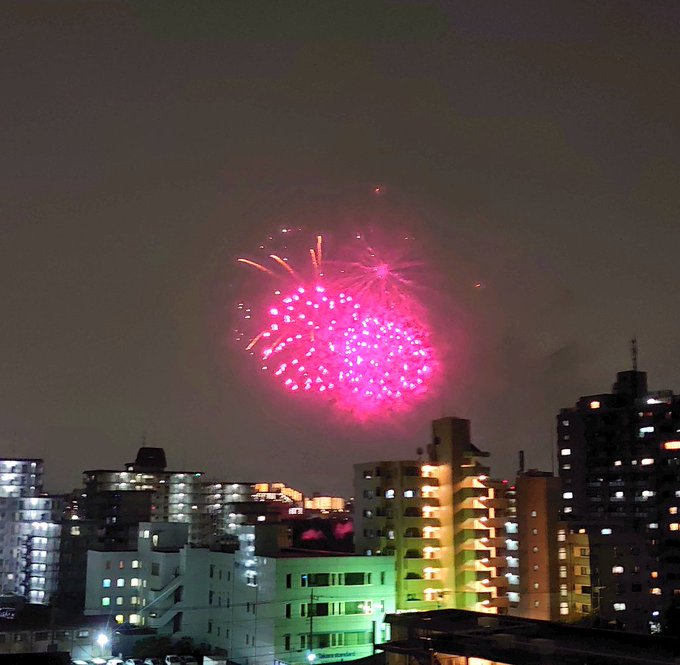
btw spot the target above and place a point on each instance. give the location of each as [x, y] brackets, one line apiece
[345, 332]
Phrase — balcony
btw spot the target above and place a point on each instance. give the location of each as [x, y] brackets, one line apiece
[500, 603]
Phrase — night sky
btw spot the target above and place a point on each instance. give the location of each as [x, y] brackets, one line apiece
[533, 147]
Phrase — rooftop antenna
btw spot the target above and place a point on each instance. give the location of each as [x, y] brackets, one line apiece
[634, 353]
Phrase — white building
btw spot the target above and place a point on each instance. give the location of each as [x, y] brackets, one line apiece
[261, 603]
[29, 531]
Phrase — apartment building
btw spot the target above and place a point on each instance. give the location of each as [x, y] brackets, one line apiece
[448, 525]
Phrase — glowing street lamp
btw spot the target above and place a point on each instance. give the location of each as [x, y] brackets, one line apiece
[102, 641]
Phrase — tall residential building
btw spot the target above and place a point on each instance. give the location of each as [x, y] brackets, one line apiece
[619, 461]
[538, 505]
[397, 515]
[448, 525]
[176, 496]
[29, 531]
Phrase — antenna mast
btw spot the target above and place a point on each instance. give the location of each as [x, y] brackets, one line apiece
[634, 353]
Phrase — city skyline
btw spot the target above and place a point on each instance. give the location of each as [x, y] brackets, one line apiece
[532, 150]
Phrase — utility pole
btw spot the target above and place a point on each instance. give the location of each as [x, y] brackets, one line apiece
[311, 656]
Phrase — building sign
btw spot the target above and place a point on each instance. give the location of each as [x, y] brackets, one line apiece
[346, 654]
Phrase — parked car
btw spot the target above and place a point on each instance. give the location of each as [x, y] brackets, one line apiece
[115, 661]
[153, 661]
[134, 661]
[173, 660]
[189, 660]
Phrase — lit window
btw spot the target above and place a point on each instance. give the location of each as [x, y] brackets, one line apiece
[654, 574]
[106, 583]
[655, 591]
[75, 530]
[617, 570]
[566, 467]
[619, 607]
[145, 533]
[618, 495]
[565, 451]
[673, 526]
[568, 495]
[606, 532]
[617, 462]
[120, 582]
[595, 404]
[389, 494]
[533, 513]
[119, 600]
[648, 493]
[120, 618]
[673, 510]
[409, 494]
[567, 509]
[565, 423]
[134, 581]
[135, 563]
[647, 461]
[672, 445]
[646, 430]
[154, 540]
[134, 618]
[106, 601]
[654, 525]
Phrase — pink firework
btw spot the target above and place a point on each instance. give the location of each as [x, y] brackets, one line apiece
[362, 354]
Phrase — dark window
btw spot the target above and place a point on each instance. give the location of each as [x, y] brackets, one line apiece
[315, 579]
[155, 569]
[288, 580]
[353, 579]
[212, 570]
[286, 642]
[287, 610]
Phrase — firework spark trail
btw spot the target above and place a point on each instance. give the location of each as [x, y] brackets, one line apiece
[352, 337]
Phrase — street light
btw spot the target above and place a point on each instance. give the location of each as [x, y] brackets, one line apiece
[311, 657]
[102, 641]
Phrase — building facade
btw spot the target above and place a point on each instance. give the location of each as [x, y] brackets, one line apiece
[449, 526]
[260, 603]
[29, 531]
[619, 461]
